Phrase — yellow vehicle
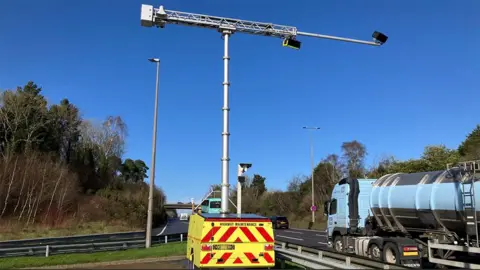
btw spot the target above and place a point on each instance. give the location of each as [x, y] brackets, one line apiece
[229, 241]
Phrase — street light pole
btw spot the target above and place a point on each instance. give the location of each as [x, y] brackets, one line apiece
[148, 237]
[313, 170]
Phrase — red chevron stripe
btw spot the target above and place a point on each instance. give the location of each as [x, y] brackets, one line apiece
[250, 257]
[248, 234]
[237, 261]
[206, 259]
[210, 234]
[268, 258]
[227, 234]
[225, 257]
[265, 234]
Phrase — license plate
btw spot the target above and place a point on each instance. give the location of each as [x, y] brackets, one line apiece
[282, 222]
[223, 247]
[410, 253]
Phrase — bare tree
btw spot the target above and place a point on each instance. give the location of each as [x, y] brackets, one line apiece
[296, 182]
[354, 154]
[23, 120]
[334, 171]
[10, 184]
[108, 136]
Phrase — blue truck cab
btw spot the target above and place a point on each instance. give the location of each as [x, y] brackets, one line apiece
[351, 226]
[344, 216]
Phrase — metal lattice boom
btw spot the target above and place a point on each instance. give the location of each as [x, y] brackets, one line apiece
[160, 17]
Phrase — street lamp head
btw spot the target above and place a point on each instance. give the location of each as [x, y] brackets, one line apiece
[379, 38]
[154, 60]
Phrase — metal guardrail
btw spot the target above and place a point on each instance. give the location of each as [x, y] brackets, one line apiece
[82, 244]
[305, 256]
[323, 259]
[73, 239]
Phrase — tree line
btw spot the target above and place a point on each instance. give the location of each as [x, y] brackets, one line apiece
[57, 167]
[295, 201]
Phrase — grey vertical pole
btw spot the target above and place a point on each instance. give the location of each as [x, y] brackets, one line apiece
[239, 197]
[309, 129]
[225, 133]
[148, 234]
[313, 176]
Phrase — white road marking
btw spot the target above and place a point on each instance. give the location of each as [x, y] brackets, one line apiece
[163, 230]
[293, 232]
[323, 243]
[321, 235]
[295, 229]
[290, 237]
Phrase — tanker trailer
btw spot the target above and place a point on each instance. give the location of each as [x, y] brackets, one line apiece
[408, 218]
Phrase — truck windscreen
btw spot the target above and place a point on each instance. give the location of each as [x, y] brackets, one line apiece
[215, 204]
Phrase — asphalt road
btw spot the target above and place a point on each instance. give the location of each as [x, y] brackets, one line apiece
[304, 237]
[174, 226]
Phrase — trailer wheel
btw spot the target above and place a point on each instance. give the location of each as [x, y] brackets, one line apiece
[391, 254]
[375, 252]
[338, 243]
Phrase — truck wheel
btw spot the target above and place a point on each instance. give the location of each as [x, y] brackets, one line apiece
[338, 243]
[391, 254]
[375, 252]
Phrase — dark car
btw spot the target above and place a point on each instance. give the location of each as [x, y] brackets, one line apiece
[279, 222]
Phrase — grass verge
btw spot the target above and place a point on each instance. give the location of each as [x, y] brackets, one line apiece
[288, 265]
[11, 231]
[131, 254]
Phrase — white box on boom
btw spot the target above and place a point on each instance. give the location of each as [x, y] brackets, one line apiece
[146, 18]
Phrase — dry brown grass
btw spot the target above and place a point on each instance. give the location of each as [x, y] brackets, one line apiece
[13, 230]
[40, 197]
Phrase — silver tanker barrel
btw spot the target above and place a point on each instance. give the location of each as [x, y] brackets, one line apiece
[424, 202]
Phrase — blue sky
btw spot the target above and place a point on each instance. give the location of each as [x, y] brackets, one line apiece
[417, 89]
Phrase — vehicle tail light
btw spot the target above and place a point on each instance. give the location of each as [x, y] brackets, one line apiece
[206, 247]
[268, 247]
[410, 249]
